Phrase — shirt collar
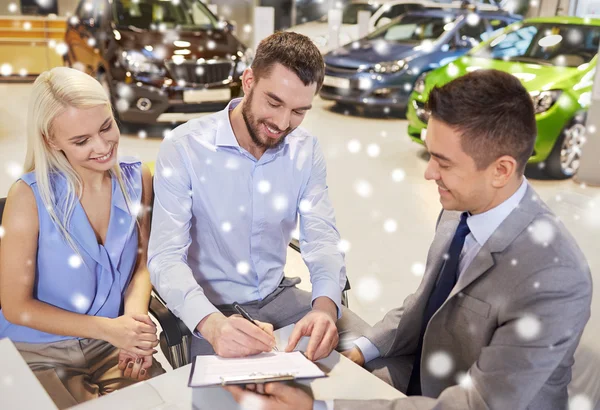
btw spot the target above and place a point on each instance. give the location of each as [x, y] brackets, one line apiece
[225, 135]
[483, 225]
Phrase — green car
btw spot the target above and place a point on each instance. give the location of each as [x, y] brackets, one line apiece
[555, 59]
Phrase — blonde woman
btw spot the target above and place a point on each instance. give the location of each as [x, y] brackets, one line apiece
[74, 288]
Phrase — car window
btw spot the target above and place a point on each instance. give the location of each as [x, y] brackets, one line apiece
[157, 14]
[545, 44]
[411, 28]
[396, 10]
[496, 27]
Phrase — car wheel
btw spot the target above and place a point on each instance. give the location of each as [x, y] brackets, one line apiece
[563, 162]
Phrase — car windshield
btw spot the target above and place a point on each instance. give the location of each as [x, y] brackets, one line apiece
[567, 45]
[350, 13]
[160, 14]
[411, 28]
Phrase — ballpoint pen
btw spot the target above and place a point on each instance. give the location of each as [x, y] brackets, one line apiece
[246, 316]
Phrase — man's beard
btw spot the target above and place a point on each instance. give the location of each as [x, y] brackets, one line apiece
[253, 127]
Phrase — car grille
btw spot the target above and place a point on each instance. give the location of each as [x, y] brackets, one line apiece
[209, 74]
[342, 70]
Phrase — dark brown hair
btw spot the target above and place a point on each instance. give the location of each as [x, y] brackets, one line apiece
[295, 52]
[494, 113]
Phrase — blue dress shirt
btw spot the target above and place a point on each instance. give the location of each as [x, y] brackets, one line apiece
[482, 226]
[222, 220]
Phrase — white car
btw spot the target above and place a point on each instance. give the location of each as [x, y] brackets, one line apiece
[382, 12]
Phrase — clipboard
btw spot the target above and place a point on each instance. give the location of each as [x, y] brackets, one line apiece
[207, 371]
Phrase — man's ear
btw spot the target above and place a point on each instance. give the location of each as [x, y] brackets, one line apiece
[248, 80]
[503, 170]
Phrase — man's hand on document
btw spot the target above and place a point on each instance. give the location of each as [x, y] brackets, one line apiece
[235, 336]
[320, 325]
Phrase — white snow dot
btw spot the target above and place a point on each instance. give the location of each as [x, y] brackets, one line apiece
[528, 327]
[136, 208]
[264, 187]
[368, 288]
[305, 206]
[75, 261]
[452, 70]
[80, 302]
[514, 262]
[242, 208]
[417, 269]
[556, 260]
[226, 227]
[167, 134]
[23, 72]
[464, 380]
[390, 225]
[142, 134]
[473, 19]
[2, 231]
[343, 246]
[12, 7]
[542, 232]
[591, 129]
[61, 49]
[6, 69]
[252, 402]
[446, 257]
[398, 175]
[232, 163]
[7, 381]
[211, 45]
[14, 169]
[25, 317]
[580, 402]
[440, 364]
[243, 268]
[167, 172]
[122, 105]
[27, 25]
[536, 284]
[354, 146]
[121, 221]
[373, 150]
[363, 188]
[280, 203]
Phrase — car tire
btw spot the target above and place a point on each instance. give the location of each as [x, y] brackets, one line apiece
[563, 161]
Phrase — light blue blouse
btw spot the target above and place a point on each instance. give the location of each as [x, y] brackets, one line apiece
[93, 280]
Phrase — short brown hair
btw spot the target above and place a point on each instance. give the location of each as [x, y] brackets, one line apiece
[494, 113]
[295, 52]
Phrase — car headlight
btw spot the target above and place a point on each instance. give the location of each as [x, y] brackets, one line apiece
[138, 63]
[245, 60]
[389, 67]
[420, 84]
[542, 101]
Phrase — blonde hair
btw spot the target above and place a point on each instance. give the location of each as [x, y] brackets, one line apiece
[53, 92]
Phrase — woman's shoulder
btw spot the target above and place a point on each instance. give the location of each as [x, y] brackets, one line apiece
[130, 163]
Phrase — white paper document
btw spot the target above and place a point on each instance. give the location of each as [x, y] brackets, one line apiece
[264, 367]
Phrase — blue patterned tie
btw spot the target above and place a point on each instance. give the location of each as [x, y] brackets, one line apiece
[446, 281]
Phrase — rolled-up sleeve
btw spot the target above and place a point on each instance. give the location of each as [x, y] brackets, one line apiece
[319, 237]
[170, 239]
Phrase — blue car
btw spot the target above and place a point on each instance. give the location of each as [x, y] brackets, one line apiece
[382, 68]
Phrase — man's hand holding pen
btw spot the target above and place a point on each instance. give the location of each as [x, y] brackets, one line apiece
[235, 336]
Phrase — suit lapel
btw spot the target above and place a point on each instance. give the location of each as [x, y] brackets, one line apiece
[517, 221]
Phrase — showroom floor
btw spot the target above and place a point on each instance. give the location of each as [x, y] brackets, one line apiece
[385, 209]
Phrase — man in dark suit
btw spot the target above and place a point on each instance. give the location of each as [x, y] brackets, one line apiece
[506, 292]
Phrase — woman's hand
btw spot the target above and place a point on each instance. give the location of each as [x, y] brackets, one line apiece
[134, 333]
[133, 366]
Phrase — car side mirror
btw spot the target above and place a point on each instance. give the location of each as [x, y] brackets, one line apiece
[383, 21]
[465, 42]
[229, 25]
